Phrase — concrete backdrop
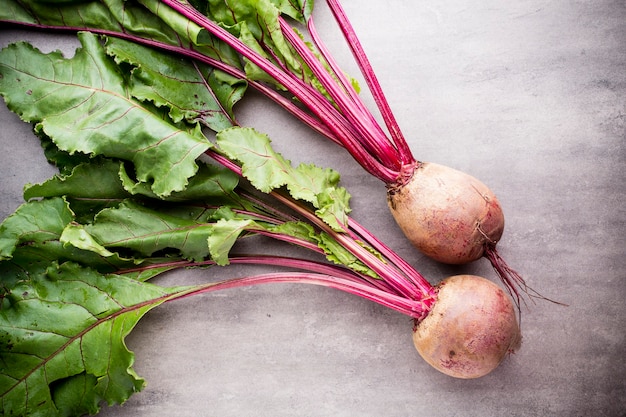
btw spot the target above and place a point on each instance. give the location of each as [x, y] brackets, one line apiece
[528, 96]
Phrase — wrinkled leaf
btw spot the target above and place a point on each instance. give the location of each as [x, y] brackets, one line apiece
[106, 182]
[32, 235]
[62, 332]
[97, 180]
[211, 185]
[267, 170]
[82, 104]
[186, 88]
[112, 15]
[225, 234]
[338, 254]
[33, 223]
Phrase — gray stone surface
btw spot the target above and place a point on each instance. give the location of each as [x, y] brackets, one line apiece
[528, 96]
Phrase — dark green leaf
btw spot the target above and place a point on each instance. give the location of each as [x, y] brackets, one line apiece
[147, 19]
[62, 332]
[33, 235]
[147, 231]
[98, 180]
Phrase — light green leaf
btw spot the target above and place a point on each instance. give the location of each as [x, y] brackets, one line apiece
[338, 254]
[268, 170]
[74, 234]
[225, 234]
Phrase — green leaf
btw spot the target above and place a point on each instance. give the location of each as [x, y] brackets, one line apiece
[228, 89]
[32, 235]
[97, 180]
[112, 15]
[105, 183]
[64, 162]
[83, 105]
[338, 254]
[147, 231]
[75, 235]
[256, 23]
[212, 185]
[268, 170]
[148, 19]
[62, 331]
[183, 86]
[299, 10]
[32, 223]
[224, 235]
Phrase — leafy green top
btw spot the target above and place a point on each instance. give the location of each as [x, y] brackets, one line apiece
[126, 132]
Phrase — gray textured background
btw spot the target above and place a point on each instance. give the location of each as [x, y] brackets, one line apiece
[528, 96]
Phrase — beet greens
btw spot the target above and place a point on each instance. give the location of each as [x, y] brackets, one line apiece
[255, 42]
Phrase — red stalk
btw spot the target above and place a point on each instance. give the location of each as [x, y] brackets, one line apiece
[372, 81]
[402, 277]
[333, 276]
[369, 133]
[405, 306]
[321, 108]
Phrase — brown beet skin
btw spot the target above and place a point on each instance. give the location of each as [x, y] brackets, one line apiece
[471, 328]
[448, 215]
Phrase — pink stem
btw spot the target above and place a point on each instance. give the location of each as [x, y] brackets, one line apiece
[298, 89]
[372, 81]
[349, 89]
[393, 257]
[405, 306]
[369, 131]
[420, 290]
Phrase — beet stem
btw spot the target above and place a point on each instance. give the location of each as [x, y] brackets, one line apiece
[372, 81]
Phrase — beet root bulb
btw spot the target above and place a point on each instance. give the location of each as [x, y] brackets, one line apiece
[470, 329]
[448, 215]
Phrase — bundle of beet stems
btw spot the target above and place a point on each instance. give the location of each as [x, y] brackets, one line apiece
[135, 198]
[450, 216]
